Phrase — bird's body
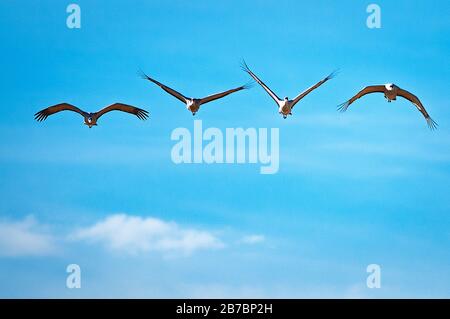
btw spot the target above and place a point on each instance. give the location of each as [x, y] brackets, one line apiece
[90, 119]
[285, 105]
[192, 104]
[391, 91]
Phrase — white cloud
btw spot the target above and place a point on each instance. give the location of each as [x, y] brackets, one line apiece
[25, 238]
[134, 235]
[253, 239]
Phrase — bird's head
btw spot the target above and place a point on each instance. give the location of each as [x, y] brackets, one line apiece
[286, 98]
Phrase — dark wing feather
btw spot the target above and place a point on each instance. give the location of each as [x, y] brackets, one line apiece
[140, 113]
[245, 67]
[311, 88]
[367, 90]
[172, 92]
[222, 94]
[415, 100]
[43, 114]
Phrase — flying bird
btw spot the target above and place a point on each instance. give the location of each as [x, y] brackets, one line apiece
[285, 105]
[193, 104]
[391, 91]
[90, 119]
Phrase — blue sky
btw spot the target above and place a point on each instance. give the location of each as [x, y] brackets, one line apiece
[368, 186]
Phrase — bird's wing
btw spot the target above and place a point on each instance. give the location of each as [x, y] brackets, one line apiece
[415, 100]
[222, 94]
[367, 90]
[245, 67]
[140, 113]
[172, 92]
[43, 114]
[315, 86]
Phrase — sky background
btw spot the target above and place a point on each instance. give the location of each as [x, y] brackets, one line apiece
[368, 186]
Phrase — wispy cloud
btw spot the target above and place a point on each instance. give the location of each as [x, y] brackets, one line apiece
[387, 155]
[25, 238]
[133, 234]
[252, 239]
[422, 152]
[61, 154]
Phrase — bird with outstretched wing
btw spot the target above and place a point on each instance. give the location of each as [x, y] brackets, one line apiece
[285, 105]
[90, 119]
[391, 91]
[193, 104]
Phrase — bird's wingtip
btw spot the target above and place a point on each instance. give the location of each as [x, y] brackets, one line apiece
[142, 74]
[431, 124]
[40, 116]
[248, 85]
[333, 74]
[142, 114]
[343, 107]
[244, 66]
